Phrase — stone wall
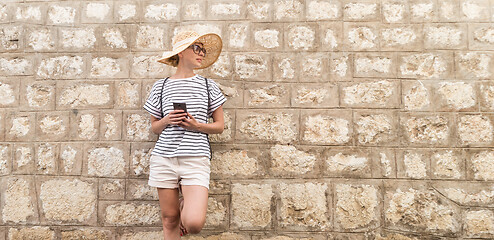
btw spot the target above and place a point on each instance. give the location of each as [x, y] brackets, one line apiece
[345, 119]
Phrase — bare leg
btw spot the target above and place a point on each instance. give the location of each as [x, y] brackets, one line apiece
[170, 212]
[195, 207]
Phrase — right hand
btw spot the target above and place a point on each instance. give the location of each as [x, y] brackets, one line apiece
[175, 117]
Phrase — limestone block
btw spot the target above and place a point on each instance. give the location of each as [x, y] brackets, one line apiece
[251, 206]
[394, 11]
[448, 164]
[52, 126]
[61, 67]
[428, 65]
[129, 213]
[139, 159]
[37, 95]
[313, 67]
[455, 96]
[383, 163]
[226, 10]
[11, 38]
[417, 95]
[394, 236]
[288, 10]
[23, 158]
[445, 36]
[474, 65]
[106, 160]
[479, 194]
[5, 159]
[193, 10]
[486, 95]
[376, 128]
[110, 125]
[18, 201]
[87, 233]
[36, 232]
[346, 162]
[286, 160]
[68, 201]
[223, 236]
[71, 158]
[357, 206]
[126, 11]
[146, 65]
[137, 126]
[81, 39]
[9, 93]
[323, 10]
[291, 236]
[239, 35]
[260, 10]
[63, 14]
[267, 95]
[480, 36]
[84, 95]
[109, 66]
[284, 67]
[427, 130]
[375, 65]
[111, 189]
[304, 206]
[332, 127]
[371, 94]
[137, 189]
[232, 91]
[360, 36]
[200, 28]
[418, 209]
[84, 125]
[97, 12]
[4, 13]
[40, 39]
[217, 212]
[2, 126]
[423, 11]
[474, 10]
[341, 67]
[219, 187]
[16, 65]
[413, 163]
[46, 158]
[19, 126]
[142, 235]
[238, 163]
[128, 94]
[474, 130]
[479, 223]
[314, 95]
[267, 37]
[401, 37]
[331, 34]
[449, 11]
[301, 37]
[361, 11]
[150, 37]
[480, 164]
[252, 67]
[227, 134]
[278, 126]
[164, 12]
[222, 68]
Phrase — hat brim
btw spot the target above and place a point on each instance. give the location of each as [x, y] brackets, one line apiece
[211, 42]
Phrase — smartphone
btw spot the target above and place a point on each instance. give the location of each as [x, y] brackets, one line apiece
[180, 106]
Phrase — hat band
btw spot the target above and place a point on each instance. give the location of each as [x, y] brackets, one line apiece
[183, 42]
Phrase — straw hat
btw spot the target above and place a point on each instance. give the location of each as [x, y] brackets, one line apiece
[211, 41]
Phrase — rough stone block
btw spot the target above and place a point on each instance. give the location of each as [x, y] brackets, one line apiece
[333, 127]
[383, 163]
[11, 38]
[150, 37]
[40, 39]
[278, 126]
[37, 95]
[375, 65]
[46, 158]
[417, 95]
[288, 10]
[111, 189]
[479, 223]
[304, 206]
[19, 126]
[87, 233]
[267, 37]
[61, 66]
[346, 162]
[23, 158]
[68, 201]
[428, 65]
[474, 65]
[455, 96]
[284, 67]
[200, 28]
[301, 37]
[361, 11]
[193, 10]
[320, 10]
[84, 95]
[341, 67]
[267, 95]
[233, 91]
[474, 11]
[251, 206]
[146, 65]
[9, 93]
[129, 213]
[106, 160]
[423, 11]
[413, 163]
[18, 201]
[110, 125]
[96, 12]
[239, 36]
[360, 36]
[313, 67]
[137, 189]
[16, 65]
[445, 36]
[148, 234]
[217, 212]
[448, 164]
[64, 14]
[126, 11]
[229, 128]
[291, 161]
[224, 236]
[394, 11]
[357, 205]
[371, 94]
[52, 126]
[480, 36]
[4, 13]
[376, 128]
[449, 11]
[137, 127]
[222, 68]
[36, 232]
[474, 130]
[161, 11]
[260, 10]
[314, 95]
[140, 153]
[331, 34]
[109, 66]
[401, 37]
[468, 194]
[252, 67]
[226, 10]
[128, 94]
[5, 159]
[84, 125]
[71, 158]
[486, 96]
[246, 162]
[80, 39]
[2, 126]
[427, 130]
[479, 162]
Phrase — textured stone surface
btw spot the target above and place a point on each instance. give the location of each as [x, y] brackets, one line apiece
[36, 232]
[251, 206]
[356, 206]
[18, 205]
[124, 214]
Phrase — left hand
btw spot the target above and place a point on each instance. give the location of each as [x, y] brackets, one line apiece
[190, 123]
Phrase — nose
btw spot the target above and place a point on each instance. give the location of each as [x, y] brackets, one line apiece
[201, 53]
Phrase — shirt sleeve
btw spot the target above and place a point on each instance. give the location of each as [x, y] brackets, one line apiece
[216, 96]
[152, 104]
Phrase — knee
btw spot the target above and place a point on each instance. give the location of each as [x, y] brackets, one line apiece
[194, 226]
[170, 221]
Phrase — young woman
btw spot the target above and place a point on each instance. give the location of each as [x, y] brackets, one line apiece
[180, 158]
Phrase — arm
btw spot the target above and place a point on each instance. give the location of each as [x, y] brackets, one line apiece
[216, 127]
[174, 118]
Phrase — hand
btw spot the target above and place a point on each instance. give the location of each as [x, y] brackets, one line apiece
[190, 123]
[175, 117]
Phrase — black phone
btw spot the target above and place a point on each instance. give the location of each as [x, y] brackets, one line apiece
[180, 106]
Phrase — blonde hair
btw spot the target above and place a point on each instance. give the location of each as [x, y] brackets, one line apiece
[173, 60]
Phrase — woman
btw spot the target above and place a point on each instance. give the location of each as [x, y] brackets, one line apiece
[180, 158]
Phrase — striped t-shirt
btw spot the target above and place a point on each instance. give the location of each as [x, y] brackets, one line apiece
[176, 141]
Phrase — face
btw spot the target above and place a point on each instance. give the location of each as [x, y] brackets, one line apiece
[193, 55]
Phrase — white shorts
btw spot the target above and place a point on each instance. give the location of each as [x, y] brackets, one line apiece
[165, 172]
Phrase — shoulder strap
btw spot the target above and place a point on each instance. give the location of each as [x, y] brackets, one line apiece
[209, 98]
[161, 96]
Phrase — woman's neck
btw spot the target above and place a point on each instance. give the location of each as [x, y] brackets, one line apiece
[183, 73]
